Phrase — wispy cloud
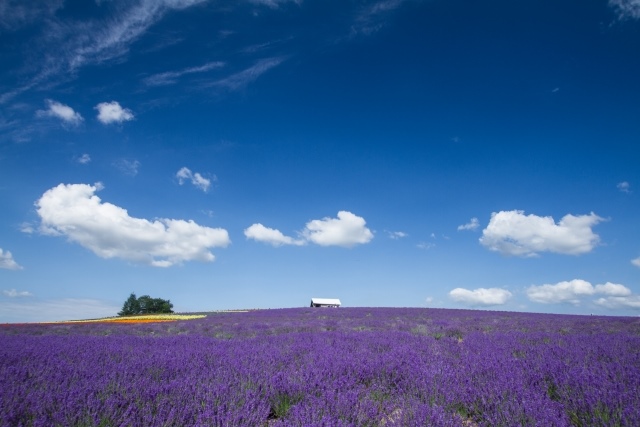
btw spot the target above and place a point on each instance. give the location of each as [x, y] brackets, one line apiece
[471, 225]
[274, 4]
[196, 179]
[626, 9]
[61, 111]
[127, 167]
[71, 45]
[425, 245]
[7, 261]
[172, 77]
[636, 262]
[50, 310]
[16, 14]
[395, 235]
[84, 159]
[112, 112]
[12, 293]
[372, 17]
[624, 187]
[243, 78]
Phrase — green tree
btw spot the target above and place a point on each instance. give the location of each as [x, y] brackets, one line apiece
[145, 305]
[131, 306]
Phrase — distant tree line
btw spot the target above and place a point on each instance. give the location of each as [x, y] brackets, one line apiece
[145, 305]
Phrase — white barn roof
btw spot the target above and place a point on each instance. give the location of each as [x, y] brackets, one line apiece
[325, 301]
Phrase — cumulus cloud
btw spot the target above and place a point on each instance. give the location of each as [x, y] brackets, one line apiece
[626, 9]
[84, 159]
[573, 291]
[7, 261]
[636, 262]
[346, 230]
[514, 233]
[75, 211]
[196, 179]
[471, 225]
[481, 296]
[62, 112]
[260, 233]
[631, 301]
[12, 293]
[112, 112]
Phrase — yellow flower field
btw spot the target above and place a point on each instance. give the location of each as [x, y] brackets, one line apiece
[148, 318]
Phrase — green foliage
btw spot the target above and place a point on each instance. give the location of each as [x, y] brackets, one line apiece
[145, 305]
[131, 306]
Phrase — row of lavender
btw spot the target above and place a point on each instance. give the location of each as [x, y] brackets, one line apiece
[326, 367]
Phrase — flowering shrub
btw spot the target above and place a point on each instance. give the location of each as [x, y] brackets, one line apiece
[317, 367]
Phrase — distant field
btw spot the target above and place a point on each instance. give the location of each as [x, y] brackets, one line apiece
[325, 367]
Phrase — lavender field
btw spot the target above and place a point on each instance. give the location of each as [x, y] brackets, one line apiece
[326, 367]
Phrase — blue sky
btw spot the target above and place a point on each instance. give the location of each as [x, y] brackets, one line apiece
[257, 153]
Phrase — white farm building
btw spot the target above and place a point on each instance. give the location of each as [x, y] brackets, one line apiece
[325, 302]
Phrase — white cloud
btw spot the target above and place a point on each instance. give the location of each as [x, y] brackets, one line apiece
[271, 236]
[171, 77]
[347, 230]
[631, 301]
[636, 262]
[84, 159]
[425, 245]
[372, 18]
[613, 289]
[481, 296]
[104, 42]
[72, 44]
[112, 112]
[626, 9]
[62, 112]
[16, 14]
[395, 235]
[573, 291]
[514, 233]
[12, 293]
[274, 4]
[244, 77]
[35, 310]
[7, 261]
[26, 227]
[624, 187]
[128, 167]
[74, 211]
[471, 225]
[195, 178]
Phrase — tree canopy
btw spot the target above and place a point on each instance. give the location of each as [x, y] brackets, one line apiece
[145, 305]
